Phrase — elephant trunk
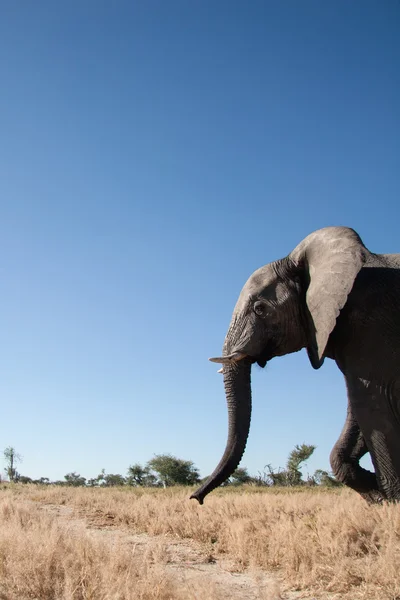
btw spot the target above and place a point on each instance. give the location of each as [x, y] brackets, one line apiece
[238, 396]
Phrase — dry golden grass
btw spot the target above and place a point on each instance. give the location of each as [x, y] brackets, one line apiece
[324, 542]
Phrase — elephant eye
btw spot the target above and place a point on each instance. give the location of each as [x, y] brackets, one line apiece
[259, 308]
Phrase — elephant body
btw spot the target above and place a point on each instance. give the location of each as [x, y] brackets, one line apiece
[333, 297]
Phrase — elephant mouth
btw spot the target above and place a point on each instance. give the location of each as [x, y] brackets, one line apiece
[269, 352]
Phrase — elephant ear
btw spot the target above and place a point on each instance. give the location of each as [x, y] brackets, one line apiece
[331, 258]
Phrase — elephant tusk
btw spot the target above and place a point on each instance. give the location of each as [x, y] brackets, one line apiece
[226, 360]
[220, 370]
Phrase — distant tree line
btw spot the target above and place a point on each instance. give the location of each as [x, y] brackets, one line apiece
[165, 470]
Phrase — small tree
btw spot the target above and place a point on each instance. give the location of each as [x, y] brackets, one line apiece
[137, 475]
[23, 479]
[140, 476]
[280, 477]
[42, 481]
[11, 457]
[92, 482]
[106, 480]
[324, 478]
[291, 476]
[240, 476]
[98, 481]
[113, 480]
[74, 479]
[262, 478]
[298, 456]
[173, 471]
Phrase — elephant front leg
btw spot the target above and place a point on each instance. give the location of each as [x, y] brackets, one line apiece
[345, 458]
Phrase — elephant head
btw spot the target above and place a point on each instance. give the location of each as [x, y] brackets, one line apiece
[287, 305]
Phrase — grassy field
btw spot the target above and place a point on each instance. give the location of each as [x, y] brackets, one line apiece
[316, 541]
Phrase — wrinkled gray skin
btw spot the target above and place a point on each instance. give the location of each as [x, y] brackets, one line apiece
[340, 301]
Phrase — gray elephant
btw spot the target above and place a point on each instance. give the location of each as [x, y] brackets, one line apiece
[340, 301]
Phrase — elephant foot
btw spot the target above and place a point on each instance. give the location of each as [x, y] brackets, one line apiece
[373, 497]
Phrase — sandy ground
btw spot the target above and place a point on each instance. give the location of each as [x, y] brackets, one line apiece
[204, 576]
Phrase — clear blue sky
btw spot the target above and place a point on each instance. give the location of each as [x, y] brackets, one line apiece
[152, 156]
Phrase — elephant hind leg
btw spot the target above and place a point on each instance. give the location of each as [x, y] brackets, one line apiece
[345, 457]
[376, 409]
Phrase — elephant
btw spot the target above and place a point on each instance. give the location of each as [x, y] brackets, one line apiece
[335, 298]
